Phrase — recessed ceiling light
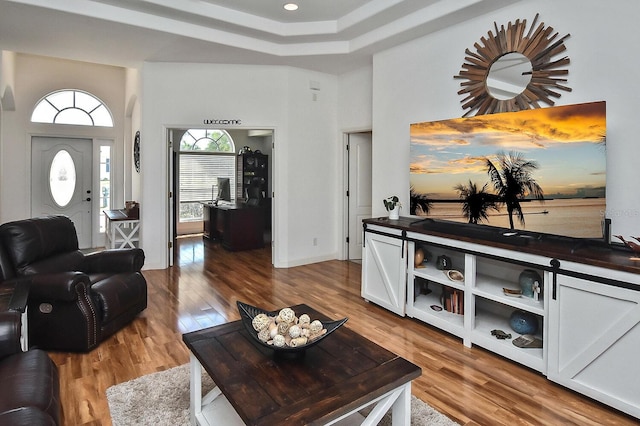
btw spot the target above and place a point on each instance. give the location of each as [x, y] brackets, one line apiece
[291, 6]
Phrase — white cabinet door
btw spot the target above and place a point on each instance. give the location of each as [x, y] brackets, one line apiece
[384, 272]
[594, 341]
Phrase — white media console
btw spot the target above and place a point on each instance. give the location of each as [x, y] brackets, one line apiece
[588, 309]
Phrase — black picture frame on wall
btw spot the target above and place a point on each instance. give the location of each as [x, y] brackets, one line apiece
[136, 151]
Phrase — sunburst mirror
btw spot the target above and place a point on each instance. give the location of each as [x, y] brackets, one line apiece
[511, 71]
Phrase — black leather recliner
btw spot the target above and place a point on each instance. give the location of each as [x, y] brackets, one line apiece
[30, 391]
[75, 300]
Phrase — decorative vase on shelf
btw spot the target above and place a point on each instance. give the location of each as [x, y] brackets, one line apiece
[392, 204]
[394, 213]
[530, 283]
[418, 257]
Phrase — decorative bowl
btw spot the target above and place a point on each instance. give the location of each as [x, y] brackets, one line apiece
[248, 312]
[512, 292]
[454, 275]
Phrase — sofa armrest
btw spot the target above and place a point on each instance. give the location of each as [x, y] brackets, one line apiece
[10, 331]
[114, 260]
[60, 286]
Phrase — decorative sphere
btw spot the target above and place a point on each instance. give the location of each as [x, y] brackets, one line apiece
[523, 322]
[418, 257]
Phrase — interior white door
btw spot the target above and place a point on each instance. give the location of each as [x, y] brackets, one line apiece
[359, 189]
[61, 181]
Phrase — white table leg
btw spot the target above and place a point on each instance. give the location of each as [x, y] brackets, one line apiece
[195, 390]
[397, 400]
[401, 411]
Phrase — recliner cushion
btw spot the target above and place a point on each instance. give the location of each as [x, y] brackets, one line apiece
[118, 294]
[64, 262]
[30, 240]
[26, 416]
[30, 379]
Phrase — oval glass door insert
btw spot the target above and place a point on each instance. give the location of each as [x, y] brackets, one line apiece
[62, 178]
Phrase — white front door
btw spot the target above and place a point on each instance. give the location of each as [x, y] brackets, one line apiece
[61, 171]
[359, 189]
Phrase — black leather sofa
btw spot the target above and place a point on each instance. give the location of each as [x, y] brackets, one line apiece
[76, 300]
[30, 390]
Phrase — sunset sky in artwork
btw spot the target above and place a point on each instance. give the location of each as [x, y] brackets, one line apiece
[567, 142]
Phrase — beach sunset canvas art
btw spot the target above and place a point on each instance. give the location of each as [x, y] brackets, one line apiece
[555, 158]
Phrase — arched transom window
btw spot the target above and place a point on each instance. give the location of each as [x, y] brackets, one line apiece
[210, 140]
[72, 107]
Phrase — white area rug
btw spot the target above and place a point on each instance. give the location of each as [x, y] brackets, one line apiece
[162, 399]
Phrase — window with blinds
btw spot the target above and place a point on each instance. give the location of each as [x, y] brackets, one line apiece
[198, 174]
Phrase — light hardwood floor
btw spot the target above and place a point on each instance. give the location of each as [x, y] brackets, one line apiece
[470, 385]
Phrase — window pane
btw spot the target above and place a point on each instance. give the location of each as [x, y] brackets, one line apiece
[44, 113]
[62, 99]
[203, 145]
[74, 116]
[105, 183]
[62, 178]
[102, 117]
[86, 102]
[198, 174]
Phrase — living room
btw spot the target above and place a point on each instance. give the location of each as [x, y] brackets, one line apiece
[405, 84]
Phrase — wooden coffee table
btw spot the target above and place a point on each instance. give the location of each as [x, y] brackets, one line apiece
[328, 385]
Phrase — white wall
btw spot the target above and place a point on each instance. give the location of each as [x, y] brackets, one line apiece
[132, 125]
[304, 166]
[414, 82]
[355, 100]
[35, 77]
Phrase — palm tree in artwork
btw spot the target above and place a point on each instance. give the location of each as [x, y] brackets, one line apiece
[476, 203]
[419, 204]
[512, 178]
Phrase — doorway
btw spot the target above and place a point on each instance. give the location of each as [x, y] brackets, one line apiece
[359, 146]
[61, 181]
[198, 159]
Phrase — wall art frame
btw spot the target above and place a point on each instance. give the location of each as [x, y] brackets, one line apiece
[540, 45]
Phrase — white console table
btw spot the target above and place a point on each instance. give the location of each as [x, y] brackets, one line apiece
[122, 231]
[588, 310]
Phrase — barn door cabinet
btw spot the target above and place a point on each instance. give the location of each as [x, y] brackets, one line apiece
[594, 343]
[587, 312]
[384, 268]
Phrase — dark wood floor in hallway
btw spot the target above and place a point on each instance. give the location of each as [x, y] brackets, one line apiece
[470, 385]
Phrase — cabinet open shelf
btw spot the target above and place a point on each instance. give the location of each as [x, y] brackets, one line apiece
[448, 321]
[431, 274]
[486, 307]
[491, 288]
[485, 321]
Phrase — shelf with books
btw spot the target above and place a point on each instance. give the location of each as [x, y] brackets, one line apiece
[476, 304]
[429, 308]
